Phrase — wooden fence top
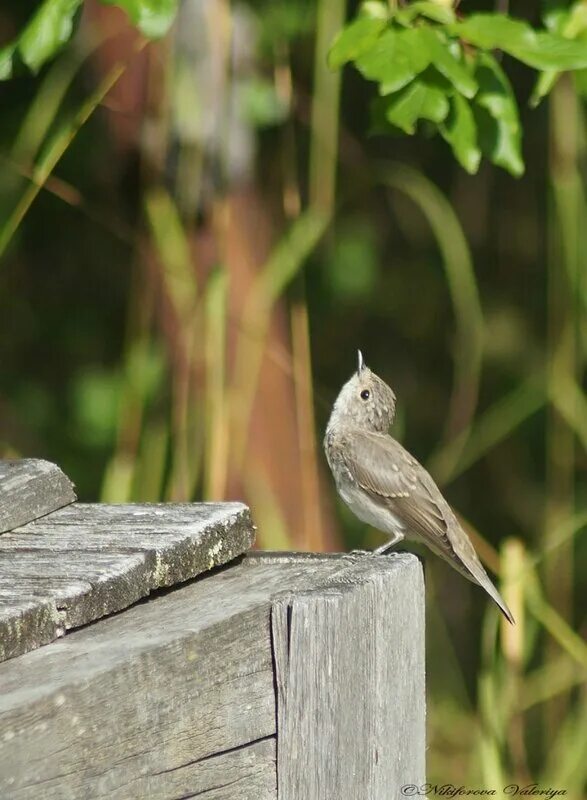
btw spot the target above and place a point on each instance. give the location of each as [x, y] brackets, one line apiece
[292, 676]
[280, 676]
[83, 561]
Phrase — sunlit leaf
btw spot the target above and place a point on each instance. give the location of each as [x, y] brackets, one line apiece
[354, 40]
[495, 91]
[152, 17]
[396, 59]
[552, 52]
[416, 101]
[375, 9]
[491, 31]
[6, 54]
[49, 29]
[433, 11]
[446, 63]
[574, 21]
[498, 143]
[538, 49]
[460, 131]
[496, 115]
[543, 86]
[570, 24]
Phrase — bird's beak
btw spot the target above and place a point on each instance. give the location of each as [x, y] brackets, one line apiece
[361, 366]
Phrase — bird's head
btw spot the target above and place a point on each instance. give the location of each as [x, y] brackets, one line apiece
[365, 402]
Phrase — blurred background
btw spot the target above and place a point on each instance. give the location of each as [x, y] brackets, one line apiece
[195, 237]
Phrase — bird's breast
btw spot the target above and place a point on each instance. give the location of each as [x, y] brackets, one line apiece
[369, 509]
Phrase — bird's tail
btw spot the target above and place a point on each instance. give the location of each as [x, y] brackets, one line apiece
[475, 572]
[466, 561]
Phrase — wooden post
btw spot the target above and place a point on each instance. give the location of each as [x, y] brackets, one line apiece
[290, 676]
[296, 677]
[350, 683]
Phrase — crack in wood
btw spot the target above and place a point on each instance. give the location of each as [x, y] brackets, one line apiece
[212, 788]
[211, 756]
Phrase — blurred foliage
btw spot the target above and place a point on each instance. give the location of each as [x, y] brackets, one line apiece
[196, 236]
[52, 24]
[433, 66]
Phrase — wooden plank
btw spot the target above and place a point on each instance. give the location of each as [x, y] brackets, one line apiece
[175, 698]
[25, 622]
[165, 685]
[350, 685]
[85, 561]
[31, 488]
[244, 773]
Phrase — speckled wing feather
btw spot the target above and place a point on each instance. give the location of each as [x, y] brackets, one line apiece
[382, 467]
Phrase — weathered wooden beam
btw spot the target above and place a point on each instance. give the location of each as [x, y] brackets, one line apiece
[31, 488]
[350, 684]
[176, 697]
[85, 561]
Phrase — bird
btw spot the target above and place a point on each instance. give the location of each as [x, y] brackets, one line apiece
[386, 487]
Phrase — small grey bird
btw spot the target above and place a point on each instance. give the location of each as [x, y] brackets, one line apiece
[385, 486]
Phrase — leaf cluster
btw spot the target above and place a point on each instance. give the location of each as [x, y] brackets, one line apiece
[439, 70]
[52, 25]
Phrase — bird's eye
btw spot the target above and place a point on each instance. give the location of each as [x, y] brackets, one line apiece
[365, 394]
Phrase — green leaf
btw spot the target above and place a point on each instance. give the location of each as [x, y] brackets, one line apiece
[495, 91]
[6, 54]
[570, 24]
[374, 9]
[395, 60]
[49, 29]
[574, 22]
[52, 25]
[538, 49]
[379, 123]
[354, 40]
[152, 17]
[425, 8]
[543, 86]
[554, 17]
[492, 31]
[552, 52]
[446, 63]
[416, 101]
[460, 131]
[496, 116]
[498, 142]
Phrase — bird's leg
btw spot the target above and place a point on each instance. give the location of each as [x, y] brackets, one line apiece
[395, 539]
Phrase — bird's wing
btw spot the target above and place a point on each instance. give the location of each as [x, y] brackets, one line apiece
[384, 469]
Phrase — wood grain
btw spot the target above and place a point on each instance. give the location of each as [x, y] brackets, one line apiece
[306, 670]
[31, 488]
[350, 683]
[85, 561]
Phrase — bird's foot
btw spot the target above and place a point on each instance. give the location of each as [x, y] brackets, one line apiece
[387, 547]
